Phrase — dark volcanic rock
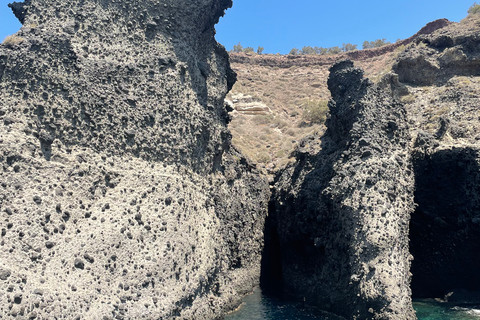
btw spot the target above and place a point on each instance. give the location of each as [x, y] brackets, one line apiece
[141, 208]
[445, 227]
[337, 234]
[435, 58]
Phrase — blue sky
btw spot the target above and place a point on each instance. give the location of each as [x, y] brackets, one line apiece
[8, 23]
[280, 25]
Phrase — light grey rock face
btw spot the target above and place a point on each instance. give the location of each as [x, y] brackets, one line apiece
[120, 194]
[340, 214]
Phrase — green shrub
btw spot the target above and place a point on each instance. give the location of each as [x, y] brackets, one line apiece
[349, 47]
[294, 51]
[248, 50]
[474, 9]
[237, 48]
[334, 50]
[321, 50]
[315, 111]
[263, 157]
[260, 50]
[308, 50]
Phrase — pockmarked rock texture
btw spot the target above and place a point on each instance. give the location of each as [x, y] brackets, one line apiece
[445, 227]
[444, 120]
[337, 233]
[434, 58]
[121, 196]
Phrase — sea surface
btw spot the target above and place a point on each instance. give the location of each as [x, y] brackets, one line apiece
[261, 307]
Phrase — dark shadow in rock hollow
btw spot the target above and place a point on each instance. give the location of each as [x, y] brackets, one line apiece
[46, 150]
[445, 227]
[271, 278]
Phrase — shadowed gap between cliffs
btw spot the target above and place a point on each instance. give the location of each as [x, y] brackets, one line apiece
[271, 279]
[445, 227]
[287, 229]
[291, 256]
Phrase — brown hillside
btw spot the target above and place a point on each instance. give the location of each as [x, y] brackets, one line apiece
[272, 91]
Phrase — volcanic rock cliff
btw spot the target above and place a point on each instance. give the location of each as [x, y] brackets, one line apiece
[395, 178]
[121, 196]
[443, 103]
[340, 214]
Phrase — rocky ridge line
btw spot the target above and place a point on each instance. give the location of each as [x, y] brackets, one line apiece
[287, 61]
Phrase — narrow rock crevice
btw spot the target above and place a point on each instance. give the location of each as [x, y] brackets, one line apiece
[271, 276]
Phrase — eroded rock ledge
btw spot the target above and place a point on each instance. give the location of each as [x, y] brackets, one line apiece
[436, 57]
[121, 196]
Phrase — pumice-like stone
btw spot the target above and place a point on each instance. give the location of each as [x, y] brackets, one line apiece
[117, 166]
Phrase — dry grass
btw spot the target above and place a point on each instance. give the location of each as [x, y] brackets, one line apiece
[270, 139]
[12, 41]
[284, 90]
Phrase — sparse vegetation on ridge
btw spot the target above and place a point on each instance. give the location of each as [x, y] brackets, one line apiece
[375, 44]
[474, 9]
[238, 48]
[346, 47]
[13, 40]
[309, 50]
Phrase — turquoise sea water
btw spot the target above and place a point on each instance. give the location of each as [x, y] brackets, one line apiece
[437, 311]
[260, 307]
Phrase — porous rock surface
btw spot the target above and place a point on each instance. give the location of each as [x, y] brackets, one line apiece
[121, 196]
[433, 58]
[337, 233]
[344, 207]
[444, 120]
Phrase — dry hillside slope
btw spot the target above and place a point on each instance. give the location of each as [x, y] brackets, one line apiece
[284, 86]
